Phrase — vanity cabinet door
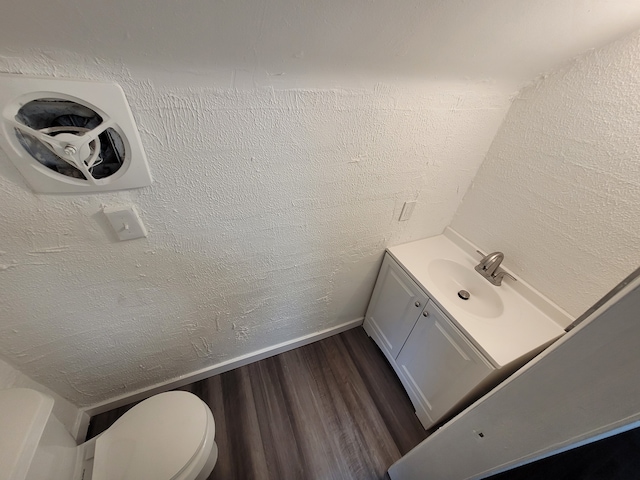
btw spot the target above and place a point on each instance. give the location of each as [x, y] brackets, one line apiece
[438, 365]
[394, 308]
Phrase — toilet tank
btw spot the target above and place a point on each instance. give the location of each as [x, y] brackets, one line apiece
[33, 443]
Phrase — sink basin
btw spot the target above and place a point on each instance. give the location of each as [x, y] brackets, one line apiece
[449, 277]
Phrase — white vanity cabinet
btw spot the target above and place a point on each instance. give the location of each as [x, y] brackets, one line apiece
[436, 363]
[395, 305]
[446, 348]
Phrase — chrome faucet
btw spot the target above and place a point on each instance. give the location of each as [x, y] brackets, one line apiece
[488, 267]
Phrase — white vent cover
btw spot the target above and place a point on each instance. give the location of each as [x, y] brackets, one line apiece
[71, 136]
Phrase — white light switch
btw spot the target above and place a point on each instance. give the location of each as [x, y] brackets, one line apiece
[125, 222]
[407, 210]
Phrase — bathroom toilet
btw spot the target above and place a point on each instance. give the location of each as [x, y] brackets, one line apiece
[168, 436]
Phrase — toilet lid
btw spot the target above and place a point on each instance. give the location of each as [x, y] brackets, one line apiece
[154, 440]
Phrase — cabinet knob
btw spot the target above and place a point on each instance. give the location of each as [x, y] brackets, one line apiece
[425, 314]
[417, 304]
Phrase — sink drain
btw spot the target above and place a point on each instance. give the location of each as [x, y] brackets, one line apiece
[464, 295]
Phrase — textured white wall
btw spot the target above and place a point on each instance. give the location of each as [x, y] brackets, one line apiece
[271, 206]
[268, 217]
[559, 191]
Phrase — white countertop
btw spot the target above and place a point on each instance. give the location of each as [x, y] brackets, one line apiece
[526, 323]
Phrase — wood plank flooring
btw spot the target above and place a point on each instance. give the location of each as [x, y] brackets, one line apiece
[330, 410]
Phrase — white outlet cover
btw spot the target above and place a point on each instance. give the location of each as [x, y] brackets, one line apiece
[407, 211]
[107, 100]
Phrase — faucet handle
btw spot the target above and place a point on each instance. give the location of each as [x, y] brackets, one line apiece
[498, 277]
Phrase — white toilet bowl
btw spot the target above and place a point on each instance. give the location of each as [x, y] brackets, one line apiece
[168, 436]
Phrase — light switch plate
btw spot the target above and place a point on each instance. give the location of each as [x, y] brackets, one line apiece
[407, 210]
[125, 222]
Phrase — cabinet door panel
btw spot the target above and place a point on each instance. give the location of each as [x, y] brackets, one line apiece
[395, 305]
[439, 365]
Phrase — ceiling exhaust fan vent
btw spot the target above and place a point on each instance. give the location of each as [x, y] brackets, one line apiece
[71, 136]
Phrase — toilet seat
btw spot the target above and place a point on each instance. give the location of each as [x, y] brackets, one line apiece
[177, 424]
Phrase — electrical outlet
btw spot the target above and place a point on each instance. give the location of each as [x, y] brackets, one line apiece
[125, 222]
[407, 210]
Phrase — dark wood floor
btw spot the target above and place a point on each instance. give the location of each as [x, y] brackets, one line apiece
[330, 410]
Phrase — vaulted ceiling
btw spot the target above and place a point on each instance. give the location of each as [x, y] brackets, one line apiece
[500, 39]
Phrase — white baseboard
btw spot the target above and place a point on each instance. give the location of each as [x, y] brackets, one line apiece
[218, 368]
